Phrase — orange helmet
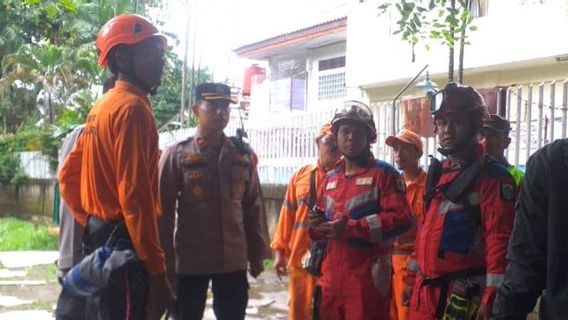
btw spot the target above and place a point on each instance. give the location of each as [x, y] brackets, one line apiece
[125, 29]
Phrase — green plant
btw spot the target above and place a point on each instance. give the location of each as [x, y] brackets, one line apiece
[17, 234]
[10, 169]
[446, 21]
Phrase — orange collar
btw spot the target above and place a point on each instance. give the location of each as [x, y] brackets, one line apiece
[127, 86]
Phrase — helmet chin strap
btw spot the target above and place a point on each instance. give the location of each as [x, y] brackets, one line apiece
[457, 148]
[360, 159]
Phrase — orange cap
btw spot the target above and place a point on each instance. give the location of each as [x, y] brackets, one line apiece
[126, 29]
[405, 136]
[325, 130]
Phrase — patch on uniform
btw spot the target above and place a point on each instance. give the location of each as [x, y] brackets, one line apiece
[507, 191]
[195, 159]
[197, 191]
[196, 175]
[331, 185]
[400, 185]
[240, 158]
[365, 181]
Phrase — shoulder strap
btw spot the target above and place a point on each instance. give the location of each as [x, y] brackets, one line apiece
[432, 178]
[241, 146]
[456, 190]
[313, 191]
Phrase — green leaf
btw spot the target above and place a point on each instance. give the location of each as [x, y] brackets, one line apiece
[70, 5]
[472, 28]
[416, 20]
[32, 2]
[51, 10]
[432, 4]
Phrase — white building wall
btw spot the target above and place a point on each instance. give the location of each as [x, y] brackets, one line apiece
[510, 37]
[314, 56]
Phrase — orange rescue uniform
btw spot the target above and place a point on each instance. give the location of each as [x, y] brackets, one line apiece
[112, 173]
[404, 245]
[292, 238]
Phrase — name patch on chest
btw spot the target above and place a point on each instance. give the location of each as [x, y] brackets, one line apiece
[331, 185]
[365, 181]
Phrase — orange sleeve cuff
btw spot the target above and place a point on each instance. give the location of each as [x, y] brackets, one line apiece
[155, 267]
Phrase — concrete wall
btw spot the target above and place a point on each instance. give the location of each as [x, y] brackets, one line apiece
[36, 198]
[273, 196]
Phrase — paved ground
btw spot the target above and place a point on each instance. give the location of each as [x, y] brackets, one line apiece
[29, 289]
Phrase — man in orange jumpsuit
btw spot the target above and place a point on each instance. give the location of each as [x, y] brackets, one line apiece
[291, 239]
[407, 147]
[469, 211]
[365, 209]
[110, 179]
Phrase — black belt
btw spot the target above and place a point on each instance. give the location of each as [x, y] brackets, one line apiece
[444, 282]
[102, 233]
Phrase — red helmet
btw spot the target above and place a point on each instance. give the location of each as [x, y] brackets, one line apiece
[356, 111]
[460, 98]
[125, 29]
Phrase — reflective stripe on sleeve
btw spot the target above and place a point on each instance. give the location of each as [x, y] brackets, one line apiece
[495, 280]
[375, 233]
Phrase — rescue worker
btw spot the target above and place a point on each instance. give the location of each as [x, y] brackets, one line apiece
[469, 210]
[494, 136]
[221, 225]
[538, 254]
[365, 209]
[69, 306]
[291, 239]
[110, 178]
[407, 147]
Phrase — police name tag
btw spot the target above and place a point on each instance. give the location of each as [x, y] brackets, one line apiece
[331, 185]
[366, 181]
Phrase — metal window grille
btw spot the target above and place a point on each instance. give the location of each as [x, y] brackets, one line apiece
[331, 86]
[332, 63]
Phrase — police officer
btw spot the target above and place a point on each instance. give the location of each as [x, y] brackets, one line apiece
[494, 136]
[365, 209]
[110, 178]
[221, 226]
[538, 250]
[461, 246]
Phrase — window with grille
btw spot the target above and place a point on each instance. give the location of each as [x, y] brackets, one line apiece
[332, 86]
[331, 79]
[332, 63]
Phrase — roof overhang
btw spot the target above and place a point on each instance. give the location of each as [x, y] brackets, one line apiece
[316, 36]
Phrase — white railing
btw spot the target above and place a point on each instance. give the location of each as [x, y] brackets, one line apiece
[36, 165]
[284, 141]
